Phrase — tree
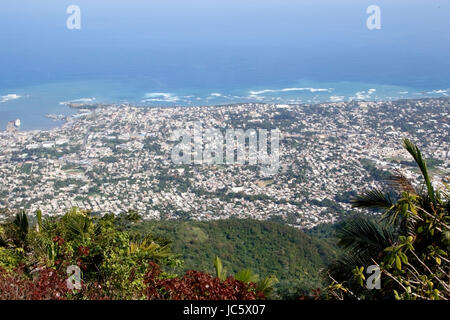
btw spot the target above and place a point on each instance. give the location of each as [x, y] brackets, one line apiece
[107, 256]
[247, 276]
[409, 243]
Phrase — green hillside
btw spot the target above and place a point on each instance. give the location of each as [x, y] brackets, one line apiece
[265, 247]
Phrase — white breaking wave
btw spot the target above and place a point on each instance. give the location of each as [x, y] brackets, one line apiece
[160, 97]
[337, 98]
[312, 90]
[439, 91]
[363, 95]
[9, 97]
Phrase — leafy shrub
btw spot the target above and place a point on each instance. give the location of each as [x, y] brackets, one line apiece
[195, 285]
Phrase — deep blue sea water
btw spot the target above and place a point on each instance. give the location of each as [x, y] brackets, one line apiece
[205, 52]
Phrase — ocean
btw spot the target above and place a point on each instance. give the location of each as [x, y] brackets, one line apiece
[202, 52]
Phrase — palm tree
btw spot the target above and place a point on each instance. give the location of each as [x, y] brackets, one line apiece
[14, 233]
[413, 232]
[265, 285]
[362, 239]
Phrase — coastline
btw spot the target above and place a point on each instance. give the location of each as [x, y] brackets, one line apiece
[86, 109]
[53, 113]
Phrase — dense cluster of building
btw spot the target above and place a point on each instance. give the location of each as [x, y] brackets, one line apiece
[118, 158]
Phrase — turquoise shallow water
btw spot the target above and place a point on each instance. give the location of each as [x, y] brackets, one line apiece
[32, 104]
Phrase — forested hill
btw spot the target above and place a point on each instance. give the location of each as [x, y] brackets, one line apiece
[268, 248]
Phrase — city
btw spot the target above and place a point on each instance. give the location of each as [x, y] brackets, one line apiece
[115, 158]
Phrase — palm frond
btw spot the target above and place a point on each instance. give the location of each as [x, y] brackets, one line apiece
[365, 237]
[246, 275]
[77, 226]
[414, 151]
[21, 224]
[342, 268]
[372, 199]
[400, 183]
[266, 285]
[38, 220]
[221, 272]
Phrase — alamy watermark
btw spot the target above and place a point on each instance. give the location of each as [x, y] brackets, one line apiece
[374, 20]
[212, 146]
[73, 22]
[374, 280]
[73, 282]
